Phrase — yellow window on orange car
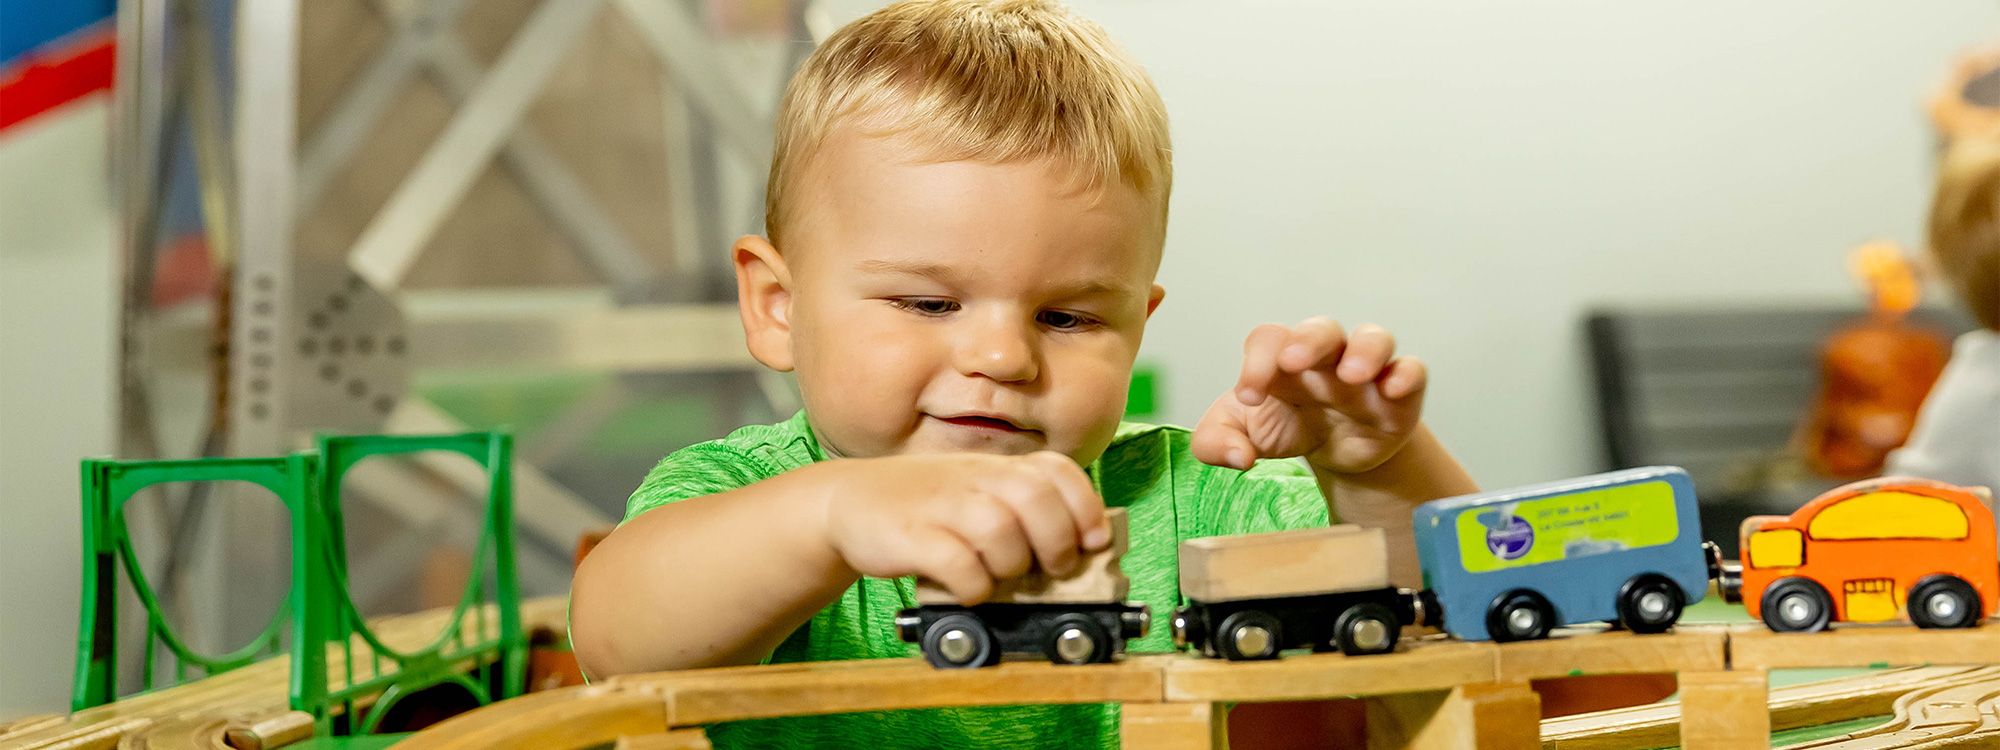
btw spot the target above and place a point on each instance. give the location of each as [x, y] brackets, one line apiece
[1777, 548]
[1890, 515]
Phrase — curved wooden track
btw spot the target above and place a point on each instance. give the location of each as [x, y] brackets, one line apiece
[248, 707]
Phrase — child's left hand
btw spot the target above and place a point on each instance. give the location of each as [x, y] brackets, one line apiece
[1343, 400]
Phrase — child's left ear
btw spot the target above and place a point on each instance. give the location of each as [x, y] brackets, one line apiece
[764, 299]
[1153, 302]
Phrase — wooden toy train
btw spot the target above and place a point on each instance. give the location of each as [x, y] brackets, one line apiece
[1621, 547]
[1081, 618]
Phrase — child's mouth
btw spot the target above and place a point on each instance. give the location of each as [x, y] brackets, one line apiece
[991, 423]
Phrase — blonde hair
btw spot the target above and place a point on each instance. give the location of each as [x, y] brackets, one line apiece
[990, 81]
[1965, 225]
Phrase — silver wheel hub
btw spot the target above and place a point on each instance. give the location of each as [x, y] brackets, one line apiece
[956, 646]
[1075, 646]
[1252, 640]
[1180, 632]
[1653, 605]
[1369, 635]
[1523, 620]
[1942, 606]
[1795, 609]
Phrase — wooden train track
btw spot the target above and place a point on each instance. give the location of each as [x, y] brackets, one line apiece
[244, 708]
[1436, 692]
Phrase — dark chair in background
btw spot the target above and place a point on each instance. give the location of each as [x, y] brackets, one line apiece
[1720, 393]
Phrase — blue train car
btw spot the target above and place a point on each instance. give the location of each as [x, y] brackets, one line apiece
[1511, 565]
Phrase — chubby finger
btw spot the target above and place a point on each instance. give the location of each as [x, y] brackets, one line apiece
[993, 530]
[1260, 362]
[1221, 437]
[945, 559]
[1314, 341]
[1405, 376]
[1084, 506]
[1044, 517]
[1368, 351]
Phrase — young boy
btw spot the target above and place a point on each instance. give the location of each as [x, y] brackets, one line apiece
[966, 212]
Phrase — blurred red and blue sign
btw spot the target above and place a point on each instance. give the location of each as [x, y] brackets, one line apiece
[53, 52]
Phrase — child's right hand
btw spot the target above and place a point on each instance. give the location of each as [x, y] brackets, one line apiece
[963, 520]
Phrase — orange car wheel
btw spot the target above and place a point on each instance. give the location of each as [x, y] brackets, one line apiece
[1944, 601]
[1797, 605]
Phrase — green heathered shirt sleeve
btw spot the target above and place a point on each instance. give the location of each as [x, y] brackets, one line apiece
[1169, 497]
[747, 456]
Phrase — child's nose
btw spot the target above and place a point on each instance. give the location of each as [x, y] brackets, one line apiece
[1003, 351]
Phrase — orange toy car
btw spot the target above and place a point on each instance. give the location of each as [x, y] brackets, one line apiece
[1871, 551]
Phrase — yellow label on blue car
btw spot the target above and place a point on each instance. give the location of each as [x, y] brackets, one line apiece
[1566, 527]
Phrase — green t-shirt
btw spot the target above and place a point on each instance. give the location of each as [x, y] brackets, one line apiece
[1148, 470]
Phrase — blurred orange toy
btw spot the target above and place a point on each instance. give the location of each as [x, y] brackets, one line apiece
[1874, 373]
[1872, 551]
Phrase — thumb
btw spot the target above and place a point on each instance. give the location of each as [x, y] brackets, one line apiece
[1221, 438]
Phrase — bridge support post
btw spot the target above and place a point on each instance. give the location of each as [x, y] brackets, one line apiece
[1173, 726]
[1479, 716]
[1725, 710]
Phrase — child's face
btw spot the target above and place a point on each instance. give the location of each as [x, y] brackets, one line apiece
[957, 306]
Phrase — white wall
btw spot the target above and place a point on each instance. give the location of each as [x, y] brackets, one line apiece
[1474, 175]
[57, 315]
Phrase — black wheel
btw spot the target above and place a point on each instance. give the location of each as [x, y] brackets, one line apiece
[1796, 605]
[1650, 603]
[959, 641]
[1077, 639]
[1248, 635]
[1944, 601]
[1520, 615]
[1366, 629]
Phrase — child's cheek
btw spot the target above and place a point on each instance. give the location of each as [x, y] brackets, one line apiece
[1090, 392]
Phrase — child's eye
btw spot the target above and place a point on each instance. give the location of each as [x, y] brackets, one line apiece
[1065, 321]
[932, 306]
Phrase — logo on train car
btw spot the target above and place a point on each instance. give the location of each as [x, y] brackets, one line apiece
[1567, 527]
[1509, 539]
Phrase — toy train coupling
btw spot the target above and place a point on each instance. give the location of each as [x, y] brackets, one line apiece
[1727, 574]
[1136, 623]
[1187, 629]
[1424, 608]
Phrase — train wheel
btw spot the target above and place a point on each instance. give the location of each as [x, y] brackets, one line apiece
[1520, 615]
[1248, 635]
[1077, 639]
[959, 641]
[1650, 603]
[1944, 601]
[1796, 605]
[1366, 629]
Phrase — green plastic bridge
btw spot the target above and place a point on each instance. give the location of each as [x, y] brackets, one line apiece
[319, 616]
